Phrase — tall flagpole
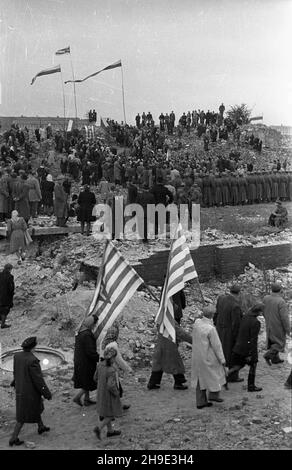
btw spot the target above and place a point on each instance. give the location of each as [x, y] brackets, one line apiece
[64, 105]
[123, 93]
[74, 89]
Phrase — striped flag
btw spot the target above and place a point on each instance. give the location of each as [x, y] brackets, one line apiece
[116, 283]
[55, 69]
[65, 50]
[109, 67]
[180, 269]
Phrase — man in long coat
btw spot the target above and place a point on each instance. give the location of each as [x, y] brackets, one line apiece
[30, 387]
[277, 324]
[208, 360]
[60, 204]
[6, 293]
[245, 351]
[227, 321]
[166, 358]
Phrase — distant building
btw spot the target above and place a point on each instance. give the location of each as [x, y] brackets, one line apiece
[284, 130]
[32, 122]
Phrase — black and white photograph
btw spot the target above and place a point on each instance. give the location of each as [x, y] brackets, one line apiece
[145, 230]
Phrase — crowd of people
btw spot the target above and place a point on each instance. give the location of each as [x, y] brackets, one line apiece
[224, 339]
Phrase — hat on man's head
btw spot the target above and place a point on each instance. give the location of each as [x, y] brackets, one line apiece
[235, 289]
[29, 343]
[279, 202]
[276, 287]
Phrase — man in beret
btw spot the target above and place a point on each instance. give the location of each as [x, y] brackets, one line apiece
[245, 351]
[30, 387]
[6, 293]
[277, 324]
[227, 321]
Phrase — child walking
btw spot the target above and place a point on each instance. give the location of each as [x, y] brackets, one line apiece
[108, 394]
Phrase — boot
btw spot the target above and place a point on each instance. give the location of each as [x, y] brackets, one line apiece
[43, 429]
[253, 388]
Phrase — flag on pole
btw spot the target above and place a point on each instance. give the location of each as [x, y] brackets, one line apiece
[109, 67]
[116, 283]
[55, 69]
[65, 50]
[256, 118]
[180, 269]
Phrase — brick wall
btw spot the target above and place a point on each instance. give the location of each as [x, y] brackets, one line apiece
[213, 260]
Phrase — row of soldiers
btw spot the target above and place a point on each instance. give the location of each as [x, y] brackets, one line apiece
[231, 189]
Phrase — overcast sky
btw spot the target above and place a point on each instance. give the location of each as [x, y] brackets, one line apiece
[176, 54]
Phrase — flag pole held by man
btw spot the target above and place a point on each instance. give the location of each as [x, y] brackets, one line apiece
[166, 357]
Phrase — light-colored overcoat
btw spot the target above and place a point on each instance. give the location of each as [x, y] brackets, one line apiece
[207, 356]
[277, 320]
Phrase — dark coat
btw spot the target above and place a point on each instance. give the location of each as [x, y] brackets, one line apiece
[86, 201]
[180, 301]
[30, 387]
[166, 356]
[160, 193]
[6, 289]
[85, 359]
[48, 193]
[247, 340]
[227, 321]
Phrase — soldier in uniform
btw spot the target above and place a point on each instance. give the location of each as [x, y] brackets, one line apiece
[225, 182]
[275, 186]
[234, 189]
[218, 190]
[259, 189]
[283, 180]
[242, 189]
[251, 188]
[268, 186]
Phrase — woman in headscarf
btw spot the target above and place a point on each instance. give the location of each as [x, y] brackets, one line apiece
[110, 341]
[108, 396]
[16, 228]
[48, 195]
[85, 359]
[30, 387]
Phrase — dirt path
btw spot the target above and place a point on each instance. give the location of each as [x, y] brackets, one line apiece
[165, 419]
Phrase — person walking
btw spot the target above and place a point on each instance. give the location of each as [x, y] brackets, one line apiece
[245, 351]
[16, 230]
[227, 321]
[34, 194]
[85, 359]
[109, 404]
[30, 387]
[6, 293]
[166, 358]
[208, 361]
[277, 324]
